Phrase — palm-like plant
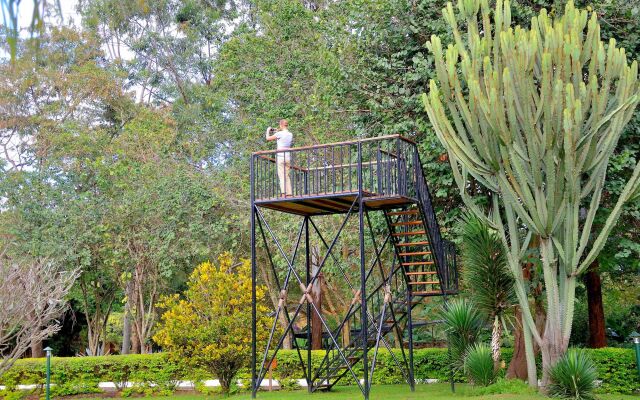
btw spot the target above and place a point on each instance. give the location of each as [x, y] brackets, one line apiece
[487, 276]
[464, 324]
[478, 365]
[573, 376]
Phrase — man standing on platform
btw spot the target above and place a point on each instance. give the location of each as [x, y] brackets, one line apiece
[283, 159]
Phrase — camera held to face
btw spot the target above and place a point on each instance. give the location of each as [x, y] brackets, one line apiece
[272, 130]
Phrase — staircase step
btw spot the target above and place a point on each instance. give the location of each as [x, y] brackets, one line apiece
[412, 244]
[425, 283]
[427, 293]
[409, 233]
[405, 212]
[406, 264]
[407, 223]
[414, 253]
[413, 302]
[421, 273]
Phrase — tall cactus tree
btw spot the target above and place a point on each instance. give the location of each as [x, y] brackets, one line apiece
[534, 115]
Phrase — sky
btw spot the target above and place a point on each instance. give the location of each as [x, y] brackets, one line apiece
[68, 7]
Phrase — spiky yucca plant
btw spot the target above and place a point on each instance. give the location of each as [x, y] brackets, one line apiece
[463, 324]
[534, 114]
[478, 365]
[574, 376]
[487, 276]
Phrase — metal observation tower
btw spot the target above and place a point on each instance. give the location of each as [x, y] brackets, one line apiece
[402, 257]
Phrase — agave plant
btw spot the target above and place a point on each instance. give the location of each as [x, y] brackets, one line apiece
[478, 365]
[574, 376]
[487, 276]
[464, 324]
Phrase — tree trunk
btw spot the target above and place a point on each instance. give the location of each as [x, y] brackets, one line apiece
[135, 343]
[126, 323]
[518, 364]
[316, 294]
[287, 344]
[552, 346]
[597, 335]
[496, 341]
[552, 349]
[346, 333]
[274, 296]
[37, 349]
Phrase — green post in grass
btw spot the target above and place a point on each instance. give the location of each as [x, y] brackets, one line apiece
[635, 336]
[48, 383]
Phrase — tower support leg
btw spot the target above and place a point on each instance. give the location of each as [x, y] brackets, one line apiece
[307, 280]
[363, 298]
[412, 381]
[254, 378]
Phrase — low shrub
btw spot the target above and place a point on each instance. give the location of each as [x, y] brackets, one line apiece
[573, 376]
[616, 368]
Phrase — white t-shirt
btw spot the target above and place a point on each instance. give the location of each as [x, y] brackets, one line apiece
[285, 139]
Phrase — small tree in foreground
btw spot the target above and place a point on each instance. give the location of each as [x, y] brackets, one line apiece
[210, 328]
[32, 297]
[535, 115]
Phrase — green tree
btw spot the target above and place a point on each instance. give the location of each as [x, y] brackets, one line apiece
[544, 110]
[62, 108]
[209, 328]
[487, 277]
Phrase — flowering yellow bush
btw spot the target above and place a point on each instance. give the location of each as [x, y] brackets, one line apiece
[210, 327]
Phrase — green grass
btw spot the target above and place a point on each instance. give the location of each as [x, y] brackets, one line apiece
[388, 392]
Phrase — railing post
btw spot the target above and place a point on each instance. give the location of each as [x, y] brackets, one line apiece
[254, 378]
[399, 173]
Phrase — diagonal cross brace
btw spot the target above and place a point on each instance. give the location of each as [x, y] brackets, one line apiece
[297, 277]
[352, 310]
[281, 302]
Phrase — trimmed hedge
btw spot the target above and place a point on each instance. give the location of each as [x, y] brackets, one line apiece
[155, 373]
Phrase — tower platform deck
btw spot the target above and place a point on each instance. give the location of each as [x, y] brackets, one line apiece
[327, 179]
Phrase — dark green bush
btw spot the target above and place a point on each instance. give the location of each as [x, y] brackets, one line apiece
[616, 368]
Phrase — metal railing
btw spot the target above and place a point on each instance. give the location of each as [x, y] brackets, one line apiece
[386, 165]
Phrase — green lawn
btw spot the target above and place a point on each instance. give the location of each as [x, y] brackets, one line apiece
[391, 392]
